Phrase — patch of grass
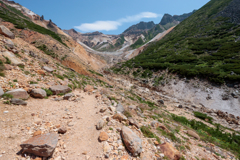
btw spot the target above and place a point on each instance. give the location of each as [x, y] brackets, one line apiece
[59, 76]
[203, 116]
[148, 133]
[94, 72]
[47, 51]
[15, 80]
[21, 66]
[7, 96]
[225, 140]
[8, 61]
[48, 91]
[127, 114]
[26, 72]
[32, 82]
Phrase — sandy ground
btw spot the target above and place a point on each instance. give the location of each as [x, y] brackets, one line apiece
[80, 118]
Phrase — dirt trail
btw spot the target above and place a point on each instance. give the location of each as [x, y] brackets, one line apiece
[79, 117]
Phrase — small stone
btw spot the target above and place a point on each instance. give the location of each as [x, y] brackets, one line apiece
[62, 130]
[37, 133]
[100, 124]
[103, 109]
[103, 136]
[106, 147]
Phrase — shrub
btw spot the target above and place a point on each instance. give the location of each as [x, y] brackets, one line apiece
[48, 91]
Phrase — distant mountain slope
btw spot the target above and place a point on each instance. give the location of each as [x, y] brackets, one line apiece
[132, 38]
[207, 44]
[139, 28]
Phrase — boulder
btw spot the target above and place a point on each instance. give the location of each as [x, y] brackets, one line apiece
[193, 134]
[120, 108]
[38, 93]
[57, 89]
[41, 145]
[103, 136]
[48, 69]
[88, 88]
[1, 91]
[132, 142]
[68, 96]
[169, 151]
[19, 93]
[6, 32]
[100, 124]
[18, 102]
[14, 60]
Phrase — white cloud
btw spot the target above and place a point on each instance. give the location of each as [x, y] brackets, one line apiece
[113, 25]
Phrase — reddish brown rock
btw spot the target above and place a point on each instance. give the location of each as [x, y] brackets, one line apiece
[41, 72]
[120, 117]
[103, 136]
[41, 145]
[169, 151]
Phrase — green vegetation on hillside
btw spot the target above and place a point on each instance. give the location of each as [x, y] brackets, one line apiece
[120, 41]
[20, 21]
[204, 45]
[225, 140]
[138, 43]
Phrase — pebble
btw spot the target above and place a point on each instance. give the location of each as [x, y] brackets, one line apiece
[5, 111]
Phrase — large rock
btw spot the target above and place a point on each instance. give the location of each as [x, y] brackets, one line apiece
[48, 69]
[18, 102]
[6, 32]
[193, 134]
[1, 91]
[38, 93]
[131, 141]
[14, 60]
[19, 93]
[57, 89]
[120, 108]
[169, 151]
[41, 145]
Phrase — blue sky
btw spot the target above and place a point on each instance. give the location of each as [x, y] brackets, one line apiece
[107, 16]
